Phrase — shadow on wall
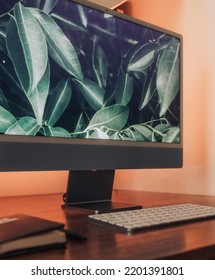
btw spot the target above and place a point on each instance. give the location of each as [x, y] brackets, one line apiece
[127, 7]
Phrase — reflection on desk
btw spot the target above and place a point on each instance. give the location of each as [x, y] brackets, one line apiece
[190, 241]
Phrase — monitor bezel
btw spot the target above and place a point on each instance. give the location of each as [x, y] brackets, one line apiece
[30, 152]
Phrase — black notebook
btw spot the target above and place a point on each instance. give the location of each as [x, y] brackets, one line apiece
[23, 233]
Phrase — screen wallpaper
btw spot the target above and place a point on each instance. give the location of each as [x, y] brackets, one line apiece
[67, 70]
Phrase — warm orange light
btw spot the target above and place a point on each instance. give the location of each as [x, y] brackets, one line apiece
[195, 20]
[24, 183]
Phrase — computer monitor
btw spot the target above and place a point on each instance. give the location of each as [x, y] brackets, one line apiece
[89, 90]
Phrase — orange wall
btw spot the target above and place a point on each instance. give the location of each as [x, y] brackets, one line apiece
[195, 20]
[21, 183]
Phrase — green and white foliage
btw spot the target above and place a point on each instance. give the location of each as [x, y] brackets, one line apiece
[85, 74]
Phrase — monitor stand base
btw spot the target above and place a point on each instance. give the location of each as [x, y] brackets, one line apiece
[92, 190]
[102, 207]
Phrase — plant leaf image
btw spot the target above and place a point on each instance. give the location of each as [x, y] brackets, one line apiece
[71, 71]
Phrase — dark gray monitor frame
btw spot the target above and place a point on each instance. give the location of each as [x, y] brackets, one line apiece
[21, 153]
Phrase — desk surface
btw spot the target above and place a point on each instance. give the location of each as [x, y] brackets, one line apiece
[189, 241]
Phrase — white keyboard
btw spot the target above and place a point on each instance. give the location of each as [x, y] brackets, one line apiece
[147, 218]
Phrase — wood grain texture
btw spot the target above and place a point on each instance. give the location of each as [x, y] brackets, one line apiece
[189, 241]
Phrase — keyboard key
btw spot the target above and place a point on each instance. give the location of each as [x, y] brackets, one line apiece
[146, 218]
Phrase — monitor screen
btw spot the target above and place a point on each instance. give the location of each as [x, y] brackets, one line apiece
[83, 87]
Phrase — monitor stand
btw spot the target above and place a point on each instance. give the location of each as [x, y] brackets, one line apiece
[92, 190]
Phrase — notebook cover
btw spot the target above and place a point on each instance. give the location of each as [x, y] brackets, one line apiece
[20, 225]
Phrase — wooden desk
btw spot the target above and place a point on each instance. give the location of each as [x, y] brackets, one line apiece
[190, 241]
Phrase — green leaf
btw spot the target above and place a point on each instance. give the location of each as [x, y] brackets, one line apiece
[49, 6]
[81, 122]
[70, 24]
[114, 117]
[160, 131]
[173, 135]
[6, 119]
[55, 131]
[39, 96]
[16, 53]
[82, 15]
[100, 65]
[92, 93]
[98, 134]
[141, 133]
[124, 89]
[141, 56]
[168, 75]
[58, 101]
[150, 90]
[60, 48]
[115, 136]
[126, 135]
[3, 39]
[37, 3]
[27, 47]
[24, 126]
